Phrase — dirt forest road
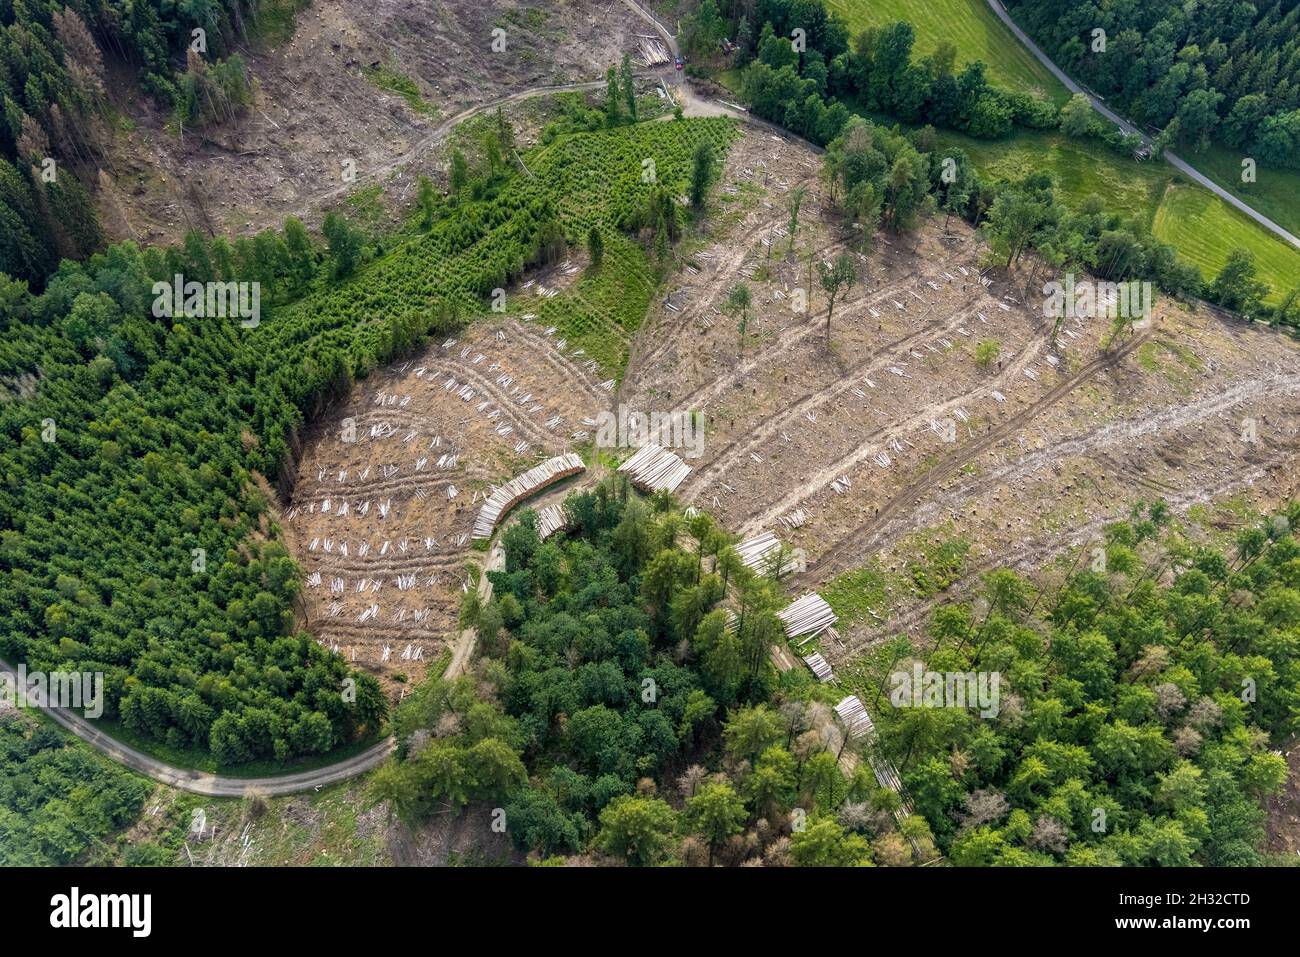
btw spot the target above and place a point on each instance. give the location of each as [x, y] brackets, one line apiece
[210, 785]
[1179, 164]
[218, 785]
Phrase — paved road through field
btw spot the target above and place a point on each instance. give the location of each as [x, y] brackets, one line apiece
[1182, 166]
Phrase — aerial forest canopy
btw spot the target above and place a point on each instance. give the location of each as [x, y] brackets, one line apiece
[1138, 702]
[57, 113]
[633, 696]
[59, 802]
[893, 176]
[1222, 71]
[137, 535]
[626, 706]
[812, 90]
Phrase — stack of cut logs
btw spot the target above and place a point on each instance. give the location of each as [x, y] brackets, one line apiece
[652, 50]
[653, 468]
[550, 520]
[521, 487]
[809, 615]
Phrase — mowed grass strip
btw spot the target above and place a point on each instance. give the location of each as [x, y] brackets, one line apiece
[1079, 168]
[1275, 192]
[970, 25]
[1205, 230]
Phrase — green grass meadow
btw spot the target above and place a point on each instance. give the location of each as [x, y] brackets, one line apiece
[1202, 227]
[1205, 229]
[975, 30]
[1275, 192]
[1079, 168]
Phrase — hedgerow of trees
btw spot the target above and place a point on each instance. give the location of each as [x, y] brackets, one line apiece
[811, 91]
[894, 180]
[877, 175]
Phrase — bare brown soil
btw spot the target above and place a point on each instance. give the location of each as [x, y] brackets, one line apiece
[1052, 442]
[315, 108]
[1084, 428]
[887, 434]
[467, 838]
[528, 400]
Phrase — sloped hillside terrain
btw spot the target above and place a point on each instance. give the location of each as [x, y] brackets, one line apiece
[357, 96]
[384, 509]
[889, 435]
[267, 536]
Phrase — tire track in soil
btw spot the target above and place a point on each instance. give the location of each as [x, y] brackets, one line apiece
[858, 542]
[1031, 557]
[790, 336]
[1100, 441]
[560, 364]
[825, 476]
[737, 252]
[332, 631]
[519, 377]
[881, 359]
[397, 484]
[403, 417]
[392, 565]
[1170, 418]
[439, 366]
[511, 410]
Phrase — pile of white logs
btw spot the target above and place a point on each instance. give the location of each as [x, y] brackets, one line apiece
[858, 724]
[854, 715]
[887, 777]
[762, 553]
[653, 468]
[550, 520]
[809, 615]
[521, 487]
[652, 50]
[818, 666]
[795, 519]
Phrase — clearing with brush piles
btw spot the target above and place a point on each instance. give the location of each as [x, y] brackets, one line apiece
[651, 444]
[896, 464]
